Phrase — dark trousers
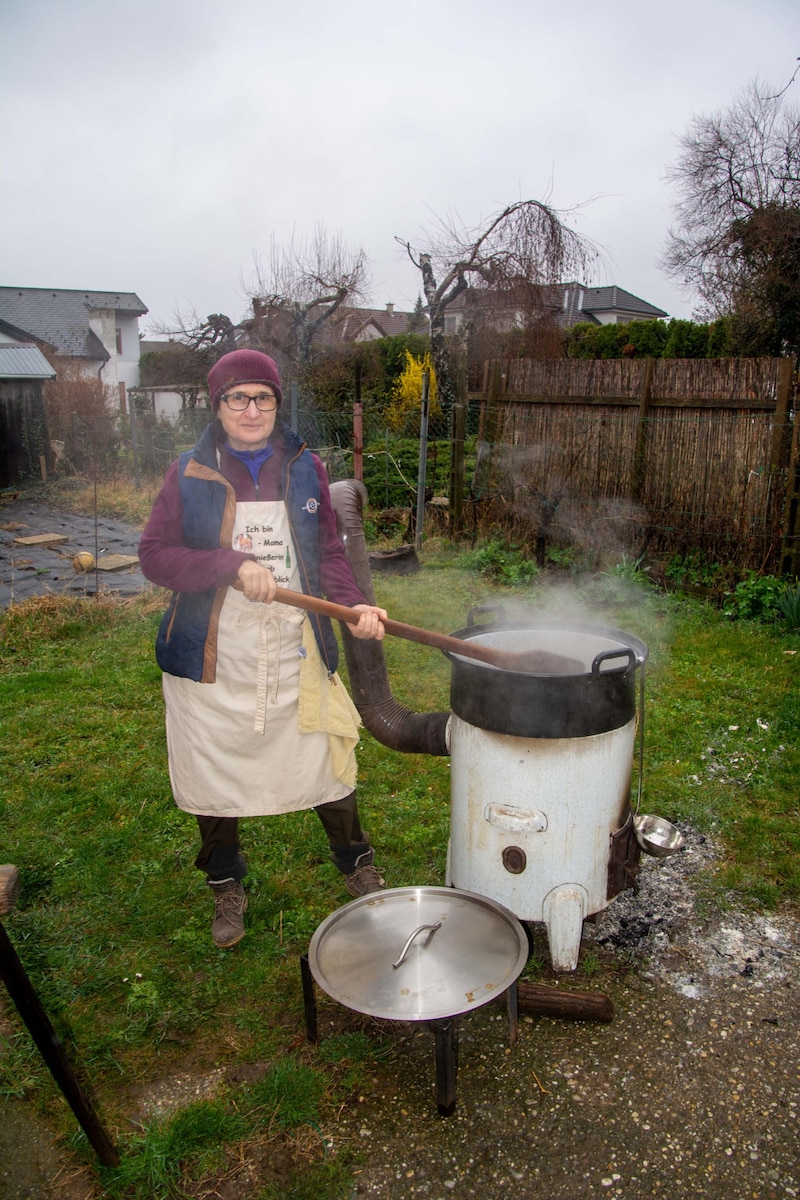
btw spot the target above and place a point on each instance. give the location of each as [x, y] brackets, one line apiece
[221, 856]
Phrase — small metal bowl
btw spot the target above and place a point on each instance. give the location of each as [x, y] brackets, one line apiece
[657, 836]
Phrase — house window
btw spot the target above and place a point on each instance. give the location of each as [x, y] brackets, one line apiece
[119, 340]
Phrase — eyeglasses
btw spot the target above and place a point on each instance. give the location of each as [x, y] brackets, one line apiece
[239, 401]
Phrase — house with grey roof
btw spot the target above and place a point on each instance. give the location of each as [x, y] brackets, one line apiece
[369, 324]
[610, 305]
[99, 330]
[566, 304]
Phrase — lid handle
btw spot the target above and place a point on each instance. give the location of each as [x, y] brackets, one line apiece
[407, 946]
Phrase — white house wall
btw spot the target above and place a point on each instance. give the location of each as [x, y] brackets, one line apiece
[167, 404]
[128, 361]
[120, 368]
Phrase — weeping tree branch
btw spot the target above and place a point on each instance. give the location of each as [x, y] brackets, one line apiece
[527, 243]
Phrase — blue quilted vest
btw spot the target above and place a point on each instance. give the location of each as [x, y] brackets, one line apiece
[183, 645]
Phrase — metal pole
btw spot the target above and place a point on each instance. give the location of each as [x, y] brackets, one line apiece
[96, 541]
[309, 1000]
[358, 428]
[445, 1035]
[386, 466]
[27, 1003]
[423, 461]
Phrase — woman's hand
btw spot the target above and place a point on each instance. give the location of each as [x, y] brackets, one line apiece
[370, 622]
[258, 583]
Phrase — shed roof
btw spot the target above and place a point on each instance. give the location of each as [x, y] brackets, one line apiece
[24, 362]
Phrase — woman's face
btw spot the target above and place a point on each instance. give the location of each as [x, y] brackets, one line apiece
[250, 429]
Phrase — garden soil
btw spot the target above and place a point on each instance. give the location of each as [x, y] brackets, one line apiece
[39, 570]
[693, 1089]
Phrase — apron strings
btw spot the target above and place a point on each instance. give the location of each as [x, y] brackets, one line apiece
[269, 618]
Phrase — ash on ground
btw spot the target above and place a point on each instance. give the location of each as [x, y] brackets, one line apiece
[676, 935]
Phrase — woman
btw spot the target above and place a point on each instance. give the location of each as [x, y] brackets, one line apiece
[257, 719]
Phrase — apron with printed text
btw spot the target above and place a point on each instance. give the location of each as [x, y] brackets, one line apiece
[235, 749]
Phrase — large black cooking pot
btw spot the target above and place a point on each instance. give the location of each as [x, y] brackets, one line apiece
[595, 698]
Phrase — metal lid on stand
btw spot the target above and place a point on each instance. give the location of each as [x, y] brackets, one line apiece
[418, 953]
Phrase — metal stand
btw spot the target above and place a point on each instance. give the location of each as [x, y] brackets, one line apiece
[445, 1035]
[21, 991]
[309, 1000]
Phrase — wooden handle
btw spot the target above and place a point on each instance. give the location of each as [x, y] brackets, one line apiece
[411, 633]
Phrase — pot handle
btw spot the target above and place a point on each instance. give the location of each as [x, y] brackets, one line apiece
[407, 946]
[607, 655]
[480, 609]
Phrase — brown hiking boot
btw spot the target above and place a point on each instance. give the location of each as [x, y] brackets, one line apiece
[230, 904]
[364, 880]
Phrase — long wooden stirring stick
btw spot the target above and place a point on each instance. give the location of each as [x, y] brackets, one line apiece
[535, 662]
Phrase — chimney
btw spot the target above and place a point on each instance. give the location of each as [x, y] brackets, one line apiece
[390, 309]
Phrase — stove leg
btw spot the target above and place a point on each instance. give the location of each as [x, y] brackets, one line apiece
[512, 1006]
[309, 1000]
[446, 1049]
[565, 908]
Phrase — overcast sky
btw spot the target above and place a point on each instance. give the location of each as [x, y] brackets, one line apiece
[157, 147]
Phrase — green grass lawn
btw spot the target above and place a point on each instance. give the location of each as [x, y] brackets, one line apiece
[113, 920]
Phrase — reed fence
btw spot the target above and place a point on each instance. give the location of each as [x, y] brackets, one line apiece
[623, 454]
[612, 456]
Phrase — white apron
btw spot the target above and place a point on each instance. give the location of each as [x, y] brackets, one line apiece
[235, 746]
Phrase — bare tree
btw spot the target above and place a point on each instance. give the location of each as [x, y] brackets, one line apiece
[297, 292]
[212, 336]
[736, 234]
[194, 345]
[526, 246]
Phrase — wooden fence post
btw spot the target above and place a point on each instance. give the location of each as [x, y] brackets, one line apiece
[786, 455]
[147, 440]
[781, 433]
[640, 450]
[358, 426]
[790, 537]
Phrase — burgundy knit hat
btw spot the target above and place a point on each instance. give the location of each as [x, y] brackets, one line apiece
[242, 366]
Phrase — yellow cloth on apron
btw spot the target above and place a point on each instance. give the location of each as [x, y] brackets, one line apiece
[324, 703]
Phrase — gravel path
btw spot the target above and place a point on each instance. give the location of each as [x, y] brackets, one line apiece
[692, 1090]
